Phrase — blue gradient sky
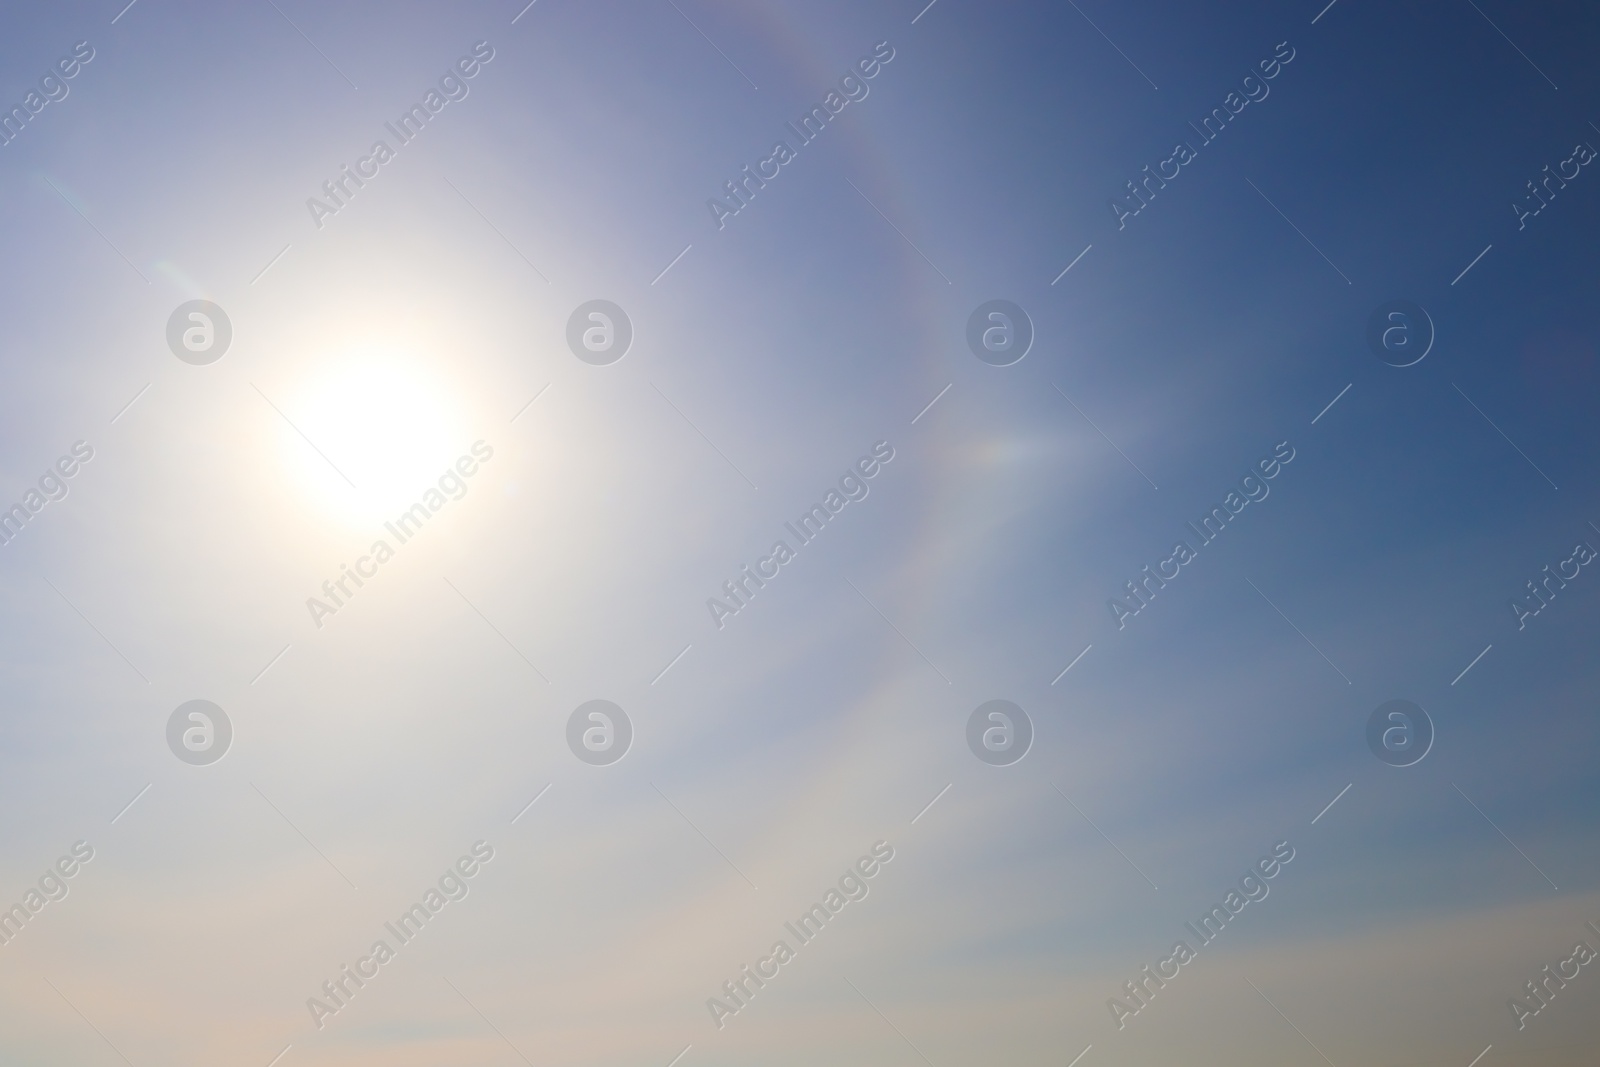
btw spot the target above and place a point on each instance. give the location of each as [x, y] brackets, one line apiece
[777, 350]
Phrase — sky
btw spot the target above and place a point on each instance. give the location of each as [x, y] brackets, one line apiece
[388, 375]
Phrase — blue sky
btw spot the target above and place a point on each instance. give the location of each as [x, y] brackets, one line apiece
[430, 313]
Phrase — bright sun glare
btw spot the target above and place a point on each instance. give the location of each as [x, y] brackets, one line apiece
[380, 418]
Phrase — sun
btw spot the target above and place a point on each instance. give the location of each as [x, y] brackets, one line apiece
[376, 425]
